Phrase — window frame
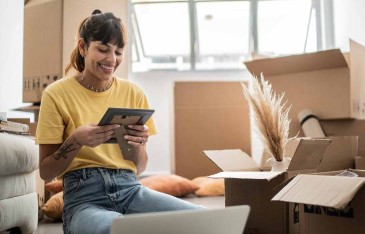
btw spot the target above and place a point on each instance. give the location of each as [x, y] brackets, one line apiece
[324, 26]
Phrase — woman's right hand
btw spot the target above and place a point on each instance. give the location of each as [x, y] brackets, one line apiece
[93, 135]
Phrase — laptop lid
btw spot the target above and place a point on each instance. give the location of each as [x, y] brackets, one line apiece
[213, 221]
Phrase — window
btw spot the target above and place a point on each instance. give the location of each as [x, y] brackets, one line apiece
[283, 25]
[212, 34]
[222, 34]
[164, 35]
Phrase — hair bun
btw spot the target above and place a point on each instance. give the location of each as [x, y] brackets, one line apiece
[96, 12]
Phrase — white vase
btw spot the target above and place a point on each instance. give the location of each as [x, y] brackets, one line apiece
[279, 166]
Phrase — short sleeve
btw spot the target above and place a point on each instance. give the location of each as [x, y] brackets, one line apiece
[50, 128]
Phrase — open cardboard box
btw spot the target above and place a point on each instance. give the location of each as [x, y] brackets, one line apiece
[330, 84]
[340, 154]
[246, 183]
[328, 203]
[346, 127]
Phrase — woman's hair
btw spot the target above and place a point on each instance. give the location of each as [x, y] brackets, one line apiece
[104, 27]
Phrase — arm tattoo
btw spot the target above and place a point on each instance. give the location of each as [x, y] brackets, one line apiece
[63, 151]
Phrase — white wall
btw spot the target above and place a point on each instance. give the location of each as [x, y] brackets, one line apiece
[349, 22]
[11, 57]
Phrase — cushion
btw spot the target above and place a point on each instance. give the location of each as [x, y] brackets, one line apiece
[54, 206]
[209, 186]
[17, 185]
[54, 186]
[170, 184]
[20, 211]
[20, 152]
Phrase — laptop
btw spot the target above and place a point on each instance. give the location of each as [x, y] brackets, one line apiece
[229, 220]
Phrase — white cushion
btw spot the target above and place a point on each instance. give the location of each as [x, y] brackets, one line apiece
[17, 154]
[21, 211]
[16, 185]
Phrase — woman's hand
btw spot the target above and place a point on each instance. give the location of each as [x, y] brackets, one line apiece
[93, 135]
[137, 135]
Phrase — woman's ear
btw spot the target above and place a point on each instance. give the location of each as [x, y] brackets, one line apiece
[82, 46]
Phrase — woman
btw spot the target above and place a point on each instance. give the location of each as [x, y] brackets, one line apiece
[99, 184]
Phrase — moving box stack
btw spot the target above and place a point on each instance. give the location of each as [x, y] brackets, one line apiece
[322, 190]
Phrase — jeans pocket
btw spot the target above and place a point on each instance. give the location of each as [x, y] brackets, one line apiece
[71, 185]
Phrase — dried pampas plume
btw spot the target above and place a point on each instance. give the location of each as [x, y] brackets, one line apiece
[270, 114]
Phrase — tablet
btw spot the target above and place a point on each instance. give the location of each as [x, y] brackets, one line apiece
[125, 117]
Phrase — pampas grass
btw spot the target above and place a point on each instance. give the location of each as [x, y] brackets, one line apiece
[270, 114]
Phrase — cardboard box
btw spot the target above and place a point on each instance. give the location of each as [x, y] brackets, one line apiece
[340, 154]
[42, 53]
[346, 127]
[208, 115]
[49, 38]
[246, 183]
[40, 189]
[329, 203]
[323, 82]
[32, 109]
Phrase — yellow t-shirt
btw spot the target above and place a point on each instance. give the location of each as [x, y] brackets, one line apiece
[66, 105]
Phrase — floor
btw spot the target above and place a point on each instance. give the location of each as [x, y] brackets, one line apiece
[47, 226]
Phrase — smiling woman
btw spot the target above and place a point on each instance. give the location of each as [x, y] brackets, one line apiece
[99, 181]
[99, 49]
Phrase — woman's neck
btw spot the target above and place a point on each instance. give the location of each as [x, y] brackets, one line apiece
[91, 85]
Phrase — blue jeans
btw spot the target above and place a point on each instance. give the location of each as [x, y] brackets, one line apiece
[93, 197]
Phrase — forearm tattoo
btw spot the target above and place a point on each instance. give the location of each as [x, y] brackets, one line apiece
[63, 151]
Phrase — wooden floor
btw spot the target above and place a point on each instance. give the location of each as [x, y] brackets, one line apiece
[47, 226]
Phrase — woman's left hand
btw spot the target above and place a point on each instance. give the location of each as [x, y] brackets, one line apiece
[137, 135]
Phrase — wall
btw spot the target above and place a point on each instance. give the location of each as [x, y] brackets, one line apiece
[349, 22]
[11, 59]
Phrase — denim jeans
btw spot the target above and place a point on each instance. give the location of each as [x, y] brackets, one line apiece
[93, 197]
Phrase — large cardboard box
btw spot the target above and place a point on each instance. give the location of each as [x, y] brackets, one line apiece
[329, 203]
[50, 27]
[42, 47]
[246, 183]
[324, 82]
[208, 115]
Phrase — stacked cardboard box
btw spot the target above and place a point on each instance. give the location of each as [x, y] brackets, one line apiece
[330, 84]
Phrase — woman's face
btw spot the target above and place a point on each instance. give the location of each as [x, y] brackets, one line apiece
[101, 60]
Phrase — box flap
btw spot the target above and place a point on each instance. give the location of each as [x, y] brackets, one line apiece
[259, 175]
[329, 191]
[297, 63]
[232, 160]
[340, 154]
[308, 154]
